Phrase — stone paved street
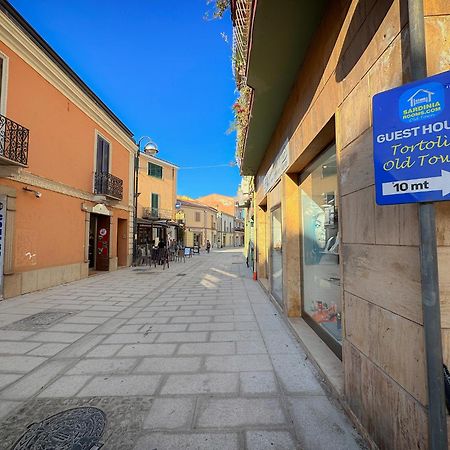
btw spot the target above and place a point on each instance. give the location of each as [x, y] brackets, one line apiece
[193, 357]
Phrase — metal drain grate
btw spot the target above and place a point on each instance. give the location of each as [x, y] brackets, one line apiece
[181, 275]
[39, 321]
[77, 428]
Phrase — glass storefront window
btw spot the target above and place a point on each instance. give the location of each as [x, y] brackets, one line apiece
[276, 256]
[320, 249]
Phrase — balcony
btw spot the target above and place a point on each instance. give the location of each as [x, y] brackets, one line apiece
[157, 213]
[13, 143]
[109, 185]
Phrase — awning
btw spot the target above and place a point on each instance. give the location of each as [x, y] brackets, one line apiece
[281, 34]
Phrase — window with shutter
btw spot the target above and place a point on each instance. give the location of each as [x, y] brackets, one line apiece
[155, 171]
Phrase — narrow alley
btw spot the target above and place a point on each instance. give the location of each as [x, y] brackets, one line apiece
[191, 357]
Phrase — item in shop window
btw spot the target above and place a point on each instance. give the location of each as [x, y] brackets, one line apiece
[319, 305]
[338, 321]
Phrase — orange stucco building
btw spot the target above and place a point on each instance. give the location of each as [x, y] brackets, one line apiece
[66, 168]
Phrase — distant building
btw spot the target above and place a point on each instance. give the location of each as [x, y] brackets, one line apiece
[156, 201]
[234, 235]
[199, 223]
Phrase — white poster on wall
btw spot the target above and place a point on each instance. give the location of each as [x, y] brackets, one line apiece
[2, 238]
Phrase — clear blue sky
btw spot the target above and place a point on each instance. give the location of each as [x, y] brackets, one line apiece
[161, 68]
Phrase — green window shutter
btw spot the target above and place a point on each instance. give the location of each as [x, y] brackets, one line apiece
[155, 201]
[154, 170]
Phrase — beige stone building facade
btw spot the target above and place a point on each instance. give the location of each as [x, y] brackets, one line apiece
[199, 223]
[343, 270]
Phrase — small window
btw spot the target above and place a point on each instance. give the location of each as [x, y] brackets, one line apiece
[3, 82]
[155, 171]
[197, 216]
[102, 155]
[155, 201]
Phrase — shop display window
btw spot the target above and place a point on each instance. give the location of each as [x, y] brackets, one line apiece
[320, 249]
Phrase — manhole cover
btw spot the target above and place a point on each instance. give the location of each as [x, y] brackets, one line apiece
[38, 321]
[74, 429]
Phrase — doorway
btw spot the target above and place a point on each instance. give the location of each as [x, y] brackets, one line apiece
[99, 239]
[276, 256]
[122, 241]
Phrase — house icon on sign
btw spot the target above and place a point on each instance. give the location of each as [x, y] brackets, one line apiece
[421, 96]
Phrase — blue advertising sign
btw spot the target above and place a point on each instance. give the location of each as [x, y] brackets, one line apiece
[411, 136]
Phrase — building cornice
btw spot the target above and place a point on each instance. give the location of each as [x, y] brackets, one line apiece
[39, 182]
[156, 160]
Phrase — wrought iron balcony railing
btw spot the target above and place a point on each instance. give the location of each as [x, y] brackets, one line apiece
[109, 185]
[13, 142]
[157, 213]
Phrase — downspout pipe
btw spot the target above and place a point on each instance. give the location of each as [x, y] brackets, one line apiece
[437, 415]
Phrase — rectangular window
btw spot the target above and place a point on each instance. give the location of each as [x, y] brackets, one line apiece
[197, 216]
[155, 205]
[320, 249]
[102, 155]
[1, 82]
[155, 171]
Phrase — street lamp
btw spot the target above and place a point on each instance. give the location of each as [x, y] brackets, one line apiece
[149, 147]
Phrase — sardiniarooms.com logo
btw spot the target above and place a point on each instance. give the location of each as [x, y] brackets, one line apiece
[422, 102]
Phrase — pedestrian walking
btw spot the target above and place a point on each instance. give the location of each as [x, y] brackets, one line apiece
[208, 246]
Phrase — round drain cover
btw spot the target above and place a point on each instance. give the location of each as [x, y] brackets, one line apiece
[74, 429]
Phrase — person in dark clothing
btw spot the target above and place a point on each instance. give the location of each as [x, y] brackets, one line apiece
[161, 244]
[208, 245]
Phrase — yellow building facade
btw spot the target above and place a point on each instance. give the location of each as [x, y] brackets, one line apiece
[157, 192]
[200, 223]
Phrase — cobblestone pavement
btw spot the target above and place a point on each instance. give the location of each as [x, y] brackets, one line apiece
[193, 357]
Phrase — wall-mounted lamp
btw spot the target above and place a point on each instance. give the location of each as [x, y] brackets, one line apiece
[37, 194]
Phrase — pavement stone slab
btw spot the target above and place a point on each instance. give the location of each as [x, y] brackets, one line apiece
[66, 386]
[17, 348]
[20, 363]
[193, 441]
[103, 365]
[183, 337]
[117, 385]
[258, 383]
[207, 348]
[130, 338]
[311, 414]
[169, 365]
[265, 440]
[238, 363]
[147, 350]
[240, 412]
[202, 383]
[170, 413]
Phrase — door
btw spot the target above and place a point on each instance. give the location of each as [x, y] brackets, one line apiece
[276, 256]
[92, 240]
[103, 238]
[155, 205]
